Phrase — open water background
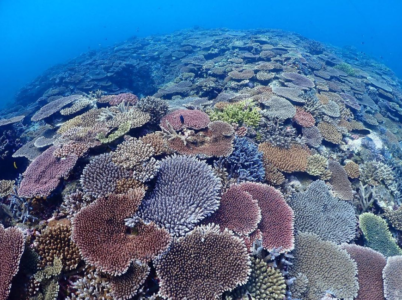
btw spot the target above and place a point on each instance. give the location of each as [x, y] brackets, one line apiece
[37, 34]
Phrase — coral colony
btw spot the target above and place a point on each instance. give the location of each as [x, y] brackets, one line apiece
[204, 165]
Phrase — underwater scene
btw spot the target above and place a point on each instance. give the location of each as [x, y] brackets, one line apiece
[203, 162]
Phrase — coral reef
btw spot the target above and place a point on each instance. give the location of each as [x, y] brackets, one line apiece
[242, 113]
[199, 265]
[391, 275]
[339, 181]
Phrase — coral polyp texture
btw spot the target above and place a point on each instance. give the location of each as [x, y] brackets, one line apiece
[100, 234]
[186, 191]
[166, 164]
[327, 267]
[11, 248]
[370, 265]
[200, 265]
[317, 211]
[392, 278]
[277, 217]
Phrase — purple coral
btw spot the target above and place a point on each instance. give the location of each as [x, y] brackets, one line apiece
[298, 79]
[44, 173]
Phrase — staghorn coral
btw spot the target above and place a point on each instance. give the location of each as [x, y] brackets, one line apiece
[278, 108]
[12, 244]
[330, 133]
[100, 176]
[392, 274]
[126, 286]
[44, 173]
[54, 107]
[155, 107]
[277, 217]
[56, 242]
[264, 282]
[6, 187]
[352, 169]
[186, 191]
[339, 181]
[312, 136]
[289, 160]
[316, 211]
[238, 211]
[377, 235]
[245, 162]
[203, 264]
[185, 118]
[303, 118]
[100, 234]
[369, 271]
[243, 113]
[317, 165]
[327, 267]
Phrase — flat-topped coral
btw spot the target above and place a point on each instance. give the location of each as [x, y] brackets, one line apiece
[316, 211]
[200, 265]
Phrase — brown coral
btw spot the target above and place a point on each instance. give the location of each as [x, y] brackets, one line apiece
[156, 141]
[100, 234]
[273, 175]
[131, 153]
[203, 264]
[352, 169]
[330, 133]
[289, 160]
[56, 242]
[6, 187]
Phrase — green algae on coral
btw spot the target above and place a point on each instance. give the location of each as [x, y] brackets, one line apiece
[377, 235]
[242, 113]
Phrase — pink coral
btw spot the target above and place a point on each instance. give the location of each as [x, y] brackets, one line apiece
[277, 217]
[370, 264]
[185, 118]
[238, 211]
[44, 173]
[11, 248]
[100, 234]
[304, 118]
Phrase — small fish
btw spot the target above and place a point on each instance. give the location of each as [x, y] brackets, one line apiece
[15, 165]
[181, 119]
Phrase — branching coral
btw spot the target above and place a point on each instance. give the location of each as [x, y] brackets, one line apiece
[186, 191]
[242, 113]
[327, 267]
[316, 211]
[317, 165]
[131, 153]
[377, 235]
[352, 169]
[6, 187]
[203, 264]
[155, 107]
[330, 133]
[278, 134]
[100, 234]
[245, 162]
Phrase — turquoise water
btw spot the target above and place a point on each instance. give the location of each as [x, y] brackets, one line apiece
[35, 35]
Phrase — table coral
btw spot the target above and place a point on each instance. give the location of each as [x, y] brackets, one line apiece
[199, 265]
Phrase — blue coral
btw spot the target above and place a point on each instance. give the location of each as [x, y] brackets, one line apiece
[245, 162]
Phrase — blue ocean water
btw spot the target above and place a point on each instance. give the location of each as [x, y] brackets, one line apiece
[35, 35]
